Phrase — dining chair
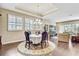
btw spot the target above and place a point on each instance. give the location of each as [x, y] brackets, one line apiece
[28, 42]
[44, 39]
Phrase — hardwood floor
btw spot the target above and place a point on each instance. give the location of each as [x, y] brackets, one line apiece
[10, 50]
[61, 50]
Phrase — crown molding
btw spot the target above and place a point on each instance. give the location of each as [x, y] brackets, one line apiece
[37, 14]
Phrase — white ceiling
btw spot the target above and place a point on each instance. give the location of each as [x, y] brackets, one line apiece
[39, 9]
[66, 11]
[54, 12]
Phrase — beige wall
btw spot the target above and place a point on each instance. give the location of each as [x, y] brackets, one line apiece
[0, 24]
[7, 36]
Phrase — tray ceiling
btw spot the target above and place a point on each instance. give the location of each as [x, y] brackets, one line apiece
[51, 11]
[39, 9]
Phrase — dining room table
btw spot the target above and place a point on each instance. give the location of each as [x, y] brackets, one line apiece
[35, 38]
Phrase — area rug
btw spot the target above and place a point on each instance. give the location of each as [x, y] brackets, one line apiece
[36, 52]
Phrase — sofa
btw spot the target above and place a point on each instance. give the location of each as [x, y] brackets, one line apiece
[75, 38]
[63, 37]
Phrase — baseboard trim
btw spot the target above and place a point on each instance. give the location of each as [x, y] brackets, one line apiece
[12, 42]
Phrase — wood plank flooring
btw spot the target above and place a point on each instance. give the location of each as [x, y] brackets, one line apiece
[63, 49]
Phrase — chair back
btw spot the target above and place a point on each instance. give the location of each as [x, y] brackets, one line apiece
[27, 36]
[45, 36]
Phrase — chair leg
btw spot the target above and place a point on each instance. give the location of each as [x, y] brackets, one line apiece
[45, 44]
[41, 45]
[25, 44]
[29, 45]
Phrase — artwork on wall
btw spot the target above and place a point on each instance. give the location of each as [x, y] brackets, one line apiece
[46, 27]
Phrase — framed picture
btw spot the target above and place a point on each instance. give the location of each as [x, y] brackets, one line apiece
[46, 27]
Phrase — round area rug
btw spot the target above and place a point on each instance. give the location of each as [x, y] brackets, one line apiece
[36, 52]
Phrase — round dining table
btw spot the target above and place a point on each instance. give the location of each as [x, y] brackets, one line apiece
[36, 39]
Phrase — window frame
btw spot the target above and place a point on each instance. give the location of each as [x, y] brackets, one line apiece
[34, 26]
[8, 17]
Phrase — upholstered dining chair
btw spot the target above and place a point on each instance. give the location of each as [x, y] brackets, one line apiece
[44, 39]
[27, 39]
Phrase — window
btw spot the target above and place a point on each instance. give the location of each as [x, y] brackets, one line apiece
[72, 28]
[14, 23]
[32, 24]
[27, 24]
[19, 23]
